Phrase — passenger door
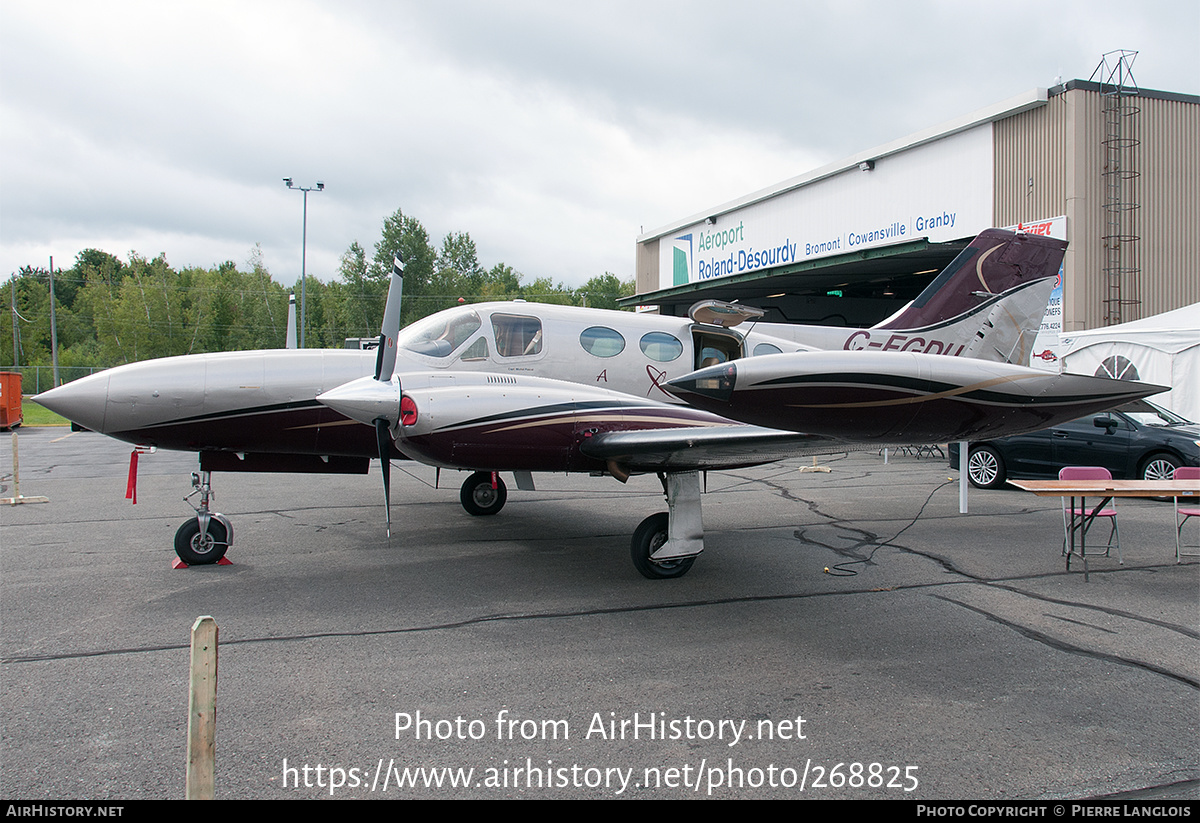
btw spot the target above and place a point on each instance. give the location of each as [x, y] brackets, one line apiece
[712, 347]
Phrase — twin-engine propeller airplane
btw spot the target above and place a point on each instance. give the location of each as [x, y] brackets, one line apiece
[521, 387]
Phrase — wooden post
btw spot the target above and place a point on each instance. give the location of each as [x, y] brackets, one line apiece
[815, 468]
[17, 497]
[202, 711]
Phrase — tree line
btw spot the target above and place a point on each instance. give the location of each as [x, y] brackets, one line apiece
[108, 311]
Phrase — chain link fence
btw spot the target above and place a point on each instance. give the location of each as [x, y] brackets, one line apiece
[37, 379]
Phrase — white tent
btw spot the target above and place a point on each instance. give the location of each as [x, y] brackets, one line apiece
[1163, 349]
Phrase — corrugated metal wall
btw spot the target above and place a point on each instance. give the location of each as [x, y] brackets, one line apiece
[646, 267]
[1050, 161]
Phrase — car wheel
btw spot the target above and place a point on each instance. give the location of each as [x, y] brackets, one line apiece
[985, 468]
[1160, 466]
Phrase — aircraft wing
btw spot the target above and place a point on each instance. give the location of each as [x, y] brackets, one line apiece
[701, 448]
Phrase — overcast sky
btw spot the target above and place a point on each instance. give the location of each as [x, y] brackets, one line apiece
[552, 132]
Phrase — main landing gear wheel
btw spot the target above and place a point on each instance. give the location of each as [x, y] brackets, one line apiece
[650, 536]
[479, 498]
[196, 550]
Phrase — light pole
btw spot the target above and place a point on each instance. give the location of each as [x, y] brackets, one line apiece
[303, 247]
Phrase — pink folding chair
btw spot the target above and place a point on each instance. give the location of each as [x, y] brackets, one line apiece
[1087, 515]
[1184, 473]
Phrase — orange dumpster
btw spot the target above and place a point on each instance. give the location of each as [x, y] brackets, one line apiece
[10, 400]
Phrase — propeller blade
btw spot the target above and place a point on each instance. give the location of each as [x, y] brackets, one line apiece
[385, 359]
[364, 400]
[383, 439]
[377, 404]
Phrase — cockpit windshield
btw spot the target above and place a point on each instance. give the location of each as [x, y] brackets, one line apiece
[440, 334]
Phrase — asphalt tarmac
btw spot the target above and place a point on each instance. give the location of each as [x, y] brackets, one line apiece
[844, 635]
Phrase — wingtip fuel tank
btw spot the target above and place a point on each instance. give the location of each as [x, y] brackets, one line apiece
[898, 397]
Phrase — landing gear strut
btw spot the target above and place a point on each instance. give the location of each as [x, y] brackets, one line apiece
[206, 537]
[483, 494]
[666, 544]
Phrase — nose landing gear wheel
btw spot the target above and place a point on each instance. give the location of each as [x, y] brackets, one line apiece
[479, 498]
[650, 536]
[196, 549]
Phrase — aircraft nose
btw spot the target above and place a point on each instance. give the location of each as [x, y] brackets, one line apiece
[81, 401]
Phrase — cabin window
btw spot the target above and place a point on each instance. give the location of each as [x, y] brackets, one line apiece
[517, 335]
[660, 346]
[440, 334]
[476, 351]
[602, 341]
[767, 348]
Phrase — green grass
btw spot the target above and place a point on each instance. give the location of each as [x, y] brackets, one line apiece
[35, 415]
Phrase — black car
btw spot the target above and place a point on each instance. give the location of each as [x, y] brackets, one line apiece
[1137, 441]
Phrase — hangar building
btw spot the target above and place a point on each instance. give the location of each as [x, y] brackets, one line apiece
[1113, 170]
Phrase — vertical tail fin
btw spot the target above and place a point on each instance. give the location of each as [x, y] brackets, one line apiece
[995, 262]
[989, 302]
